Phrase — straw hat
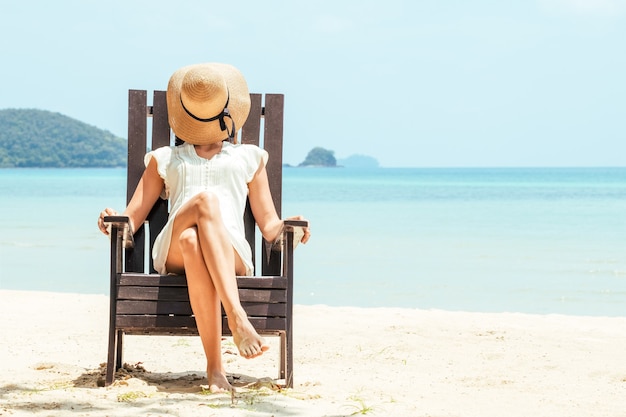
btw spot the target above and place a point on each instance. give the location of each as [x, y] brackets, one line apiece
[207, 103]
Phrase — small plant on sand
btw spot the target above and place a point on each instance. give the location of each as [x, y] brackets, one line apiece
[131, 396]
[182, 342]
[60, 385]
[360, 407]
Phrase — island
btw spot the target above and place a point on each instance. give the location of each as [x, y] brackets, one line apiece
[321, 157]
[44, 139]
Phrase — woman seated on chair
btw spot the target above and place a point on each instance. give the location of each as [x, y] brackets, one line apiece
[207, 180]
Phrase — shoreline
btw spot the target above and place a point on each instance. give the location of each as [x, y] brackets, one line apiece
[378, 361]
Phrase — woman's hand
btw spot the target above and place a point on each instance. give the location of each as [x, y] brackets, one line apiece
[307, 231]
[106, 212]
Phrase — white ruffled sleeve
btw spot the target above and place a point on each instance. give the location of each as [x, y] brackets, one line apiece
[162, 156]
[253, 157]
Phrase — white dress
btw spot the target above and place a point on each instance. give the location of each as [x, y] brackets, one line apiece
[226, 175]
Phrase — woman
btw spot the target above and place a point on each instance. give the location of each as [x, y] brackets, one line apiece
[207, 180]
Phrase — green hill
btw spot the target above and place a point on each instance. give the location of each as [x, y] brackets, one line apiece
[39, 138]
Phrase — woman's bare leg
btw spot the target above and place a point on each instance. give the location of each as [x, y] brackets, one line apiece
[207, 309]
[222, 263]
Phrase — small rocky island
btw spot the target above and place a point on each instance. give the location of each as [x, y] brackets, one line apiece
[320, 157]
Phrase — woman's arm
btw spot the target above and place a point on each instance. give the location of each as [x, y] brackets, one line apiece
[146, 194]
[263, 207]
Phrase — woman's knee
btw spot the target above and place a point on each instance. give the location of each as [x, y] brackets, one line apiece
[206, 205]
[188, 240]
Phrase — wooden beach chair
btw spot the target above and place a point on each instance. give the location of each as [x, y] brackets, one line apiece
[146, 303]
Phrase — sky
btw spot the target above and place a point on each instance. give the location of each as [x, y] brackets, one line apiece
[415, 83]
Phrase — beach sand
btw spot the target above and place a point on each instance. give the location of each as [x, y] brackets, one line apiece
[348, 361]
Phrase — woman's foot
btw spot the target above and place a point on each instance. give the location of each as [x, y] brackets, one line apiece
[248, 341]
[218, 382]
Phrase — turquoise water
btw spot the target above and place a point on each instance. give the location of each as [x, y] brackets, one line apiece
[525, 240]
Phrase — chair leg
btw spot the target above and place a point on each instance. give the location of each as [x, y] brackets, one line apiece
[111, 359]
[289, 365]
[119, 349]
[283, 356]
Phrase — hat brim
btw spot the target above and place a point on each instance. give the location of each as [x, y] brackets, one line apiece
[198, 132]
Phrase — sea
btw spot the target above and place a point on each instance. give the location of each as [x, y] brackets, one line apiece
[527, 240]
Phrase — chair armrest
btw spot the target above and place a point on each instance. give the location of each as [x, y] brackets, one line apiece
[120, 225]
[289, 226]
[296, 223]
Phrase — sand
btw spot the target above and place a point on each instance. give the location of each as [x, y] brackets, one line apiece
[348, 361]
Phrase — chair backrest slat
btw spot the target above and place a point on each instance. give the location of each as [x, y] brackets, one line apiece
[250, 134]
[161, 136]
[137, 132]
[251, 129]
[273, 144]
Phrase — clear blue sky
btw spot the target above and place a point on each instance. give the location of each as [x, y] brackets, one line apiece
[412, 83]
